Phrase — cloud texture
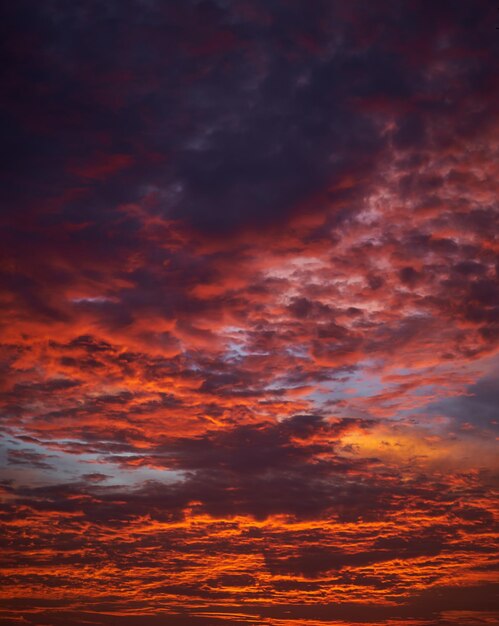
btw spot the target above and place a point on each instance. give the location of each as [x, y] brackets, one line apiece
[249, 313]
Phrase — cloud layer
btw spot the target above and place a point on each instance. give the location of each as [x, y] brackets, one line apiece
[249, 313]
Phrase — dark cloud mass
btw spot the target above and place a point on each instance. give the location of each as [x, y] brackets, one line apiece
[249, 312]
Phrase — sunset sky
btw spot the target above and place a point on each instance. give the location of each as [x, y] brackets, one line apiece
[249, 323]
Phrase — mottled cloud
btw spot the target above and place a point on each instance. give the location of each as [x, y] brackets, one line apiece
[249, 312]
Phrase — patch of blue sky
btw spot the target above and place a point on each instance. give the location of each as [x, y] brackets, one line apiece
[302, 352]
[235, 351]
[360, 383]
[69, 467]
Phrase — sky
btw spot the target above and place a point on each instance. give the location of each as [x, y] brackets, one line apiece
[249, 324]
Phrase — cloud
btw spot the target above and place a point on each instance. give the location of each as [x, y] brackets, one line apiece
[249, 312]
[30, 458]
